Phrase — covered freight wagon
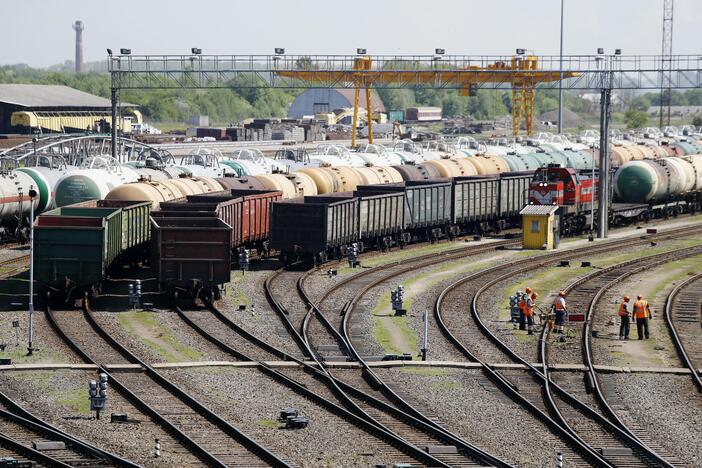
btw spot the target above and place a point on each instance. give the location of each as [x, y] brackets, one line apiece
[191, 255]
[320, 226]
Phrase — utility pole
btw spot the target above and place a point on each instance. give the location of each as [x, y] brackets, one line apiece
[30, 338]
[603, 187]
[666, 63]
[560, 81]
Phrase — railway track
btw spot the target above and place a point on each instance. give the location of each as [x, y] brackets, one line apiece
[316, 386]
[205, 434]
[683, 315]
[322, 331]
[317, 322]
[621, 449]
[594, 287]
[13, 266]
[478, 343]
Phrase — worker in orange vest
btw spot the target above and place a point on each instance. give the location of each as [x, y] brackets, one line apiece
[522, 306]
[529, 312]
[642, 312]
[559, 306]
[624, 313]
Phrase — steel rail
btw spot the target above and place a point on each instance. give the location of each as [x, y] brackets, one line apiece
[588, 357]
[620, 430]
[370, 426]
[677, 341]
[248, 443]
[30, 453]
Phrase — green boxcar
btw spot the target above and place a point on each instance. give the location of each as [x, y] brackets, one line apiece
[75, 245]
[136, 227]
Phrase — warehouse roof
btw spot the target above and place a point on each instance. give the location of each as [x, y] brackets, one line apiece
[38, 96]
[539, 210]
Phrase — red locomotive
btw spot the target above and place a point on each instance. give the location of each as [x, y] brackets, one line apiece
[574, 193]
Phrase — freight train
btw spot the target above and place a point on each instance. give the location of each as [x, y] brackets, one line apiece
[199, 226]
[59, 184]
[643, 189]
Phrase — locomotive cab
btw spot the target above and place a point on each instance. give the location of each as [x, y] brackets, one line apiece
[562, 186]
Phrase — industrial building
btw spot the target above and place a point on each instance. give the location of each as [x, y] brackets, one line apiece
[29, 108]
[318, 101]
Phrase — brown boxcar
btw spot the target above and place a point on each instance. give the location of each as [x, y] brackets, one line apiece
[191, 254]
[246, 211]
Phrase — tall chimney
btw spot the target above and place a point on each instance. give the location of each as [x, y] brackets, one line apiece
[78, 26]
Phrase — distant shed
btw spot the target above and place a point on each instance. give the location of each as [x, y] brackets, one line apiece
[25, 108]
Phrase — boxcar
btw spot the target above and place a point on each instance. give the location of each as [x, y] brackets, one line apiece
[191, 255]
[319, 225]
[246, 211]
[76, 245]
[514, 190]
[427, 205]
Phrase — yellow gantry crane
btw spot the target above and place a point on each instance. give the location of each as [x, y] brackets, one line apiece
[521, 73]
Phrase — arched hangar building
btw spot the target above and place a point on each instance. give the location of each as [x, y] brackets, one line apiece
[317, 101]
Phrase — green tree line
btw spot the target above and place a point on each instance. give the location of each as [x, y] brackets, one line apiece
[223, 106]
[240, 101]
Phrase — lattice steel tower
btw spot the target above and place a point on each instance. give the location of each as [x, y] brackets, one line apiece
[666, 62]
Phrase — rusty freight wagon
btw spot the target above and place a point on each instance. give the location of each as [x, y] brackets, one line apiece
[246, 211]
[191, 255]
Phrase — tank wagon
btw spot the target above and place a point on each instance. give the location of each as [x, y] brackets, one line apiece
[670, 180]
[380, 216]
[77, 246]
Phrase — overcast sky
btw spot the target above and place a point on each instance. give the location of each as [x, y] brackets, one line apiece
[39, 33]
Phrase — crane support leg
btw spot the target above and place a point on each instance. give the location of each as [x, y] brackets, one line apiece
[370, 113]
[356, 93]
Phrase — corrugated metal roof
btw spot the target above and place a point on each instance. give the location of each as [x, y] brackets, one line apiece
[39, 96]
[539, 210]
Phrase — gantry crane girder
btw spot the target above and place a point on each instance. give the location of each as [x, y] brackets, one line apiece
[521, 73]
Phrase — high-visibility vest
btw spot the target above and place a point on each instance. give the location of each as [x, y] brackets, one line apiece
[523, 302]
[529, 308]
[559, 304]
[640, 309]
[623, 309]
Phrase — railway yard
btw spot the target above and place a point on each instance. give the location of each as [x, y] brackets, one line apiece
[325, 259]
[208, 381]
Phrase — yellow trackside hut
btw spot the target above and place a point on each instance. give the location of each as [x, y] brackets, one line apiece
[539, 227]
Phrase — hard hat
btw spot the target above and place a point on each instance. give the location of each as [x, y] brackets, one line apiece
[528, 290]
[562, 293]
[639, 296]
[626, 298]
[534, 295]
